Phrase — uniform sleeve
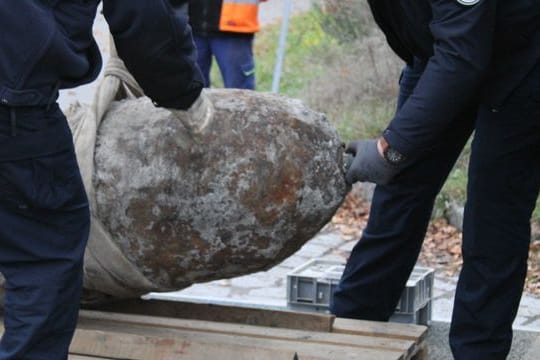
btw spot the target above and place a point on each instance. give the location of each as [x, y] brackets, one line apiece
[463, 42]
[156, 44]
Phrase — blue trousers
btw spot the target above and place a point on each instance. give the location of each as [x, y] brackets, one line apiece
[234, 56]
[44, 225]
[504, 181]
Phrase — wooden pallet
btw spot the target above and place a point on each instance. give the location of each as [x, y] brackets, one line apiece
[163, 330]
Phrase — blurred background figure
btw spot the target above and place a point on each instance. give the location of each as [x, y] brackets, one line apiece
[224, 29]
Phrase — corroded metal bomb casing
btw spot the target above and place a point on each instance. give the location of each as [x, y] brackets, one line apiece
[196, 199]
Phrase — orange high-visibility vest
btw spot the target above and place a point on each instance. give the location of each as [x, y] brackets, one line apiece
[240, 16]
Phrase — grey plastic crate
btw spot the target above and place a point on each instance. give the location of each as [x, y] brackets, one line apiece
[421, 316]
[311, 286]
[418, 291]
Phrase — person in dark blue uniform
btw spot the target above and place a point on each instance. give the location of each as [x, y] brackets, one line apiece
[48, 45]
[472, 65]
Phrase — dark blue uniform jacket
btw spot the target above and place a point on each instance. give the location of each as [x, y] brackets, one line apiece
[471, 53]
[48, 44]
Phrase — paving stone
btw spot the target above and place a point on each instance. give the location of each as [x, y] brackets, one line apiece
[439, 293]
[261, 279]
[442, 309]
[279, 272]
[530, 304]
[528, 316]
[338, 256]
[348, 246]
[224, 282]
[444, 284]
[272, 292]
[208, 289]
[311, 251]
[534, 351]
[328, 240]
[240, 292]
[294, 261]
[445, 292]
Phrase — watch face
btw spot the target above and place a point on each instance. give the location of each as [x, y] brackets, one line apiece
[468, 2]
[393, 156]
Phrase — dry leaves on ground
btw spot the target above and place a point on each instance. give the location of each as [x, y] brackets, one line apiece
[442, 245]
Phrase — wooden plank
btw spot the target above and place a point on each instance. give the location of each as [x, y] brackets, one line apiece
[136, 342]
[273, 318]
[414, 333]
[376, 328]
[222, 313]
[109, 336]
[421, 353]
[278, 318]
[360, 341]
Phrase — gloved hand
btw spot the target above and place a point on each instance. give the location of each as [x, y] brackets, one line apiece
[197, 116]
[368, 164]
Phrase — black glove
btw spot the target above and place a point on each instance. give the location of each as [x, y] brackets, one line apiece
[368, 165]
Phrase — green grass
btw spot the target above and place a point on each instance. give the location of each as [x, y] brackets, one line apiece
[306, 43]
[366, 119]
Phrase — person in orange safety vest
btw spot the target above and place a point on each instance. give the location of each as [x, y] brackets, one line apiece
[224, 29]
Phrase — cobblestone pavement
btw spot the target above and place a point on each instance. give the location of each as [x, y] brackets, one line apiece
[268, 288]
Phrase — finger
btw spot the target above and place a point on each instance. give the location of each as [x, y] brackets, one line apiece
[351, 147]
[351, 177]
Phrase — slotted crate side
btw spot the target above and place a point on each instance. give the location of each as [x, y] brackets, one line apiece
[310, 291]
[418, 291]
[311, 286]
[421, 316]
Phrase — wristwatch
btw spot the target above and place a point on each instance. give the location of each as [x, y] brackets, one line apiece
[390, 154]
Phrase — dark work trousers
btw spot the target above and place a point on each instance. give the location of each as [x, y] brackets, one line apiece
[44, 225]
[234, 56]
[504, 179]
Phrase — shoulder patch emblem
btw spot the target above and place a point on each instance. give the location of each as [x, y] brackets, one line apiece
[468, 2]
